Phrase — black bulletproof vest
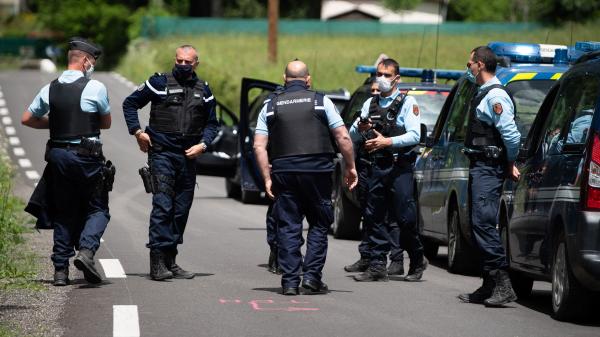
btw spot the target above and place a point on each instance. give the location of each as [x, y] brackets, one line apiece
[296, 127]
[67, 120]
[384, 121]
[479, 133]
[182, 111]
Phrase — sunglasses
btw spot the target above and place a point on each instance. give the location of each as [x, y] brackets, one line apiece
[388, 75]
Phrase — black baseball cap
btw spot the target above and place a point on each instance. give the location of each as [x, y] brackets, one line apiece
[79, 43]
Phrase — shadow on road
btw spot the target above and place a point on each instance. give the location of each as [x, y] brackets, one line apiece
[541, 301]
[146, 276]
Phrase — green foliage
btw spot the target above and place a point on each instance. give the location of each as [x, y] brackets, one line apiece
[99, 21]
[137, 18]
[245, 9]
[16, 266]
[479, 11]
[226, 58]
[401, 4]
[560, 11]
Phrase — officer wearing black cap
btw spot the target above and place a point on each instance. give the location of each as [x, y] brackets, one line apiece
[75, 108]
[182, 122]
[297, 125]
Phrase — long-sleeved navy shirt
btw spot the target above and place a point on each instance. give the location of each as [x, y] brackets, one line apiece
[155, 90]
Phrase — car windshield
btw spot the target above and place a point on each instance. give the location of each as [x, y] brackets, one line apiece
[528, 96]
[430, 104]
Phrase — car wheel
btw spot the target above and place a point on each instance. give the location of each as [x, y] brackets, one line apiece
[233, 190]
[430, 248]
[460, 253]
[346, 219]
[522, 284]
[569, 299]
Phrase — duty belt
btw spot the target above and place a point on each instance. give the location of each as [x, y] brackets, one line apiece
[87, 147]
[493, 154]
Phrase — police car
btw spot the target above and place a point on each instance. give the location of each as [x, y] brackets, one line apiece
[550, 219]
[231, 154]
[528, 71]
[429, 95]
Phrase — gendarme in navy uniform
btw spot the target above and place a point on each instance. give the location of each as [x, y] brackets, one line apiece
[492, 144]
[182, 123]
[74, 188]
[388, 128]
[297, 126]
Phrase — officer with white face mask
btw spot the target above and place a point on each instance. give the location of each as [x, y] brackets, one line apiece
[386, 132]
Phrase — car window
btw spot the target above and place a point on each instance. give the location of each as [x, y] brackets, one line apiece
[356, 102]
[457, 120]
[430, 104]
[528, 96]
[256, 104]
[582, 103]
[225, 116]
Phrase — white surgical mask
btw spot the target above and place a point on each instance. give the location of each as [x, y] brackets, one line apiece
[88, 72]
[384, 85]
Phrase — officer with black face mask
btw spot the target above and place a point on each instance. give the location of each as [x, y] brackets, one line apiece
[182, 122]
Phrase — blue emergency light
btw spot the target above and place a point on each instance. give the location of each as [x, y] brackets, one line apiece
[517, 52]
[426, 75]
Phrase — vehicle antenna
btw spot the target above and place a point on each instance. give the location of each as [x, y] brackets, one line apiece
[437, 33]
[573, 8]
[547, 36]
[421, 47]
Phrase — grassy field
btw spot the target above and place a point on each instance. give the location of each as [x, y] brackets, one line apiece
[225, 59]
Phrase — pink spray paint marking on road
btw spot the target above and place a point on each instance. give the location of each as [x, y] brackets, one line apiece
[271, 305]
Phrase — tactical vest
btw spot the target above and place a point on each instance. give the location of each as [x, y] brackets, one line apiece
[67, 120]
[182, 111]
[384, 121]
[479, 133]
[296, 126]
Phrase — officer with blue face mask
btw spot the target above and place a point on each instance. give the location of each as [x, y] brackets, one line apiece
[492, 144]
[386, 132]
[182, 122]
[75, 108]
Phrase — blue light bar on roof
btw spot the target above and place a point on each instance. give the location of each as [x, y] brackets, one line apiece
[517, 52]
[587, 46]
[424, 74]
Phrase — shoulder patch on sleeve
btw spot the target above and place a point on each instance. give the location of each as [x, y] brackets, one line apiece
[415, 109]
[498, 108]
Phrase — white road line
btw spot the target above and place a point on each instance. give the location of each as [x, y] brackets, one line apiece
[3, 111]
[10, 130]
[1, 94]
[2, 102]
[25, 163]
[32, 174]
[101, 240]
[125, 321]
[14, 141]
[19, 151]
[112, 268]
[6, 120]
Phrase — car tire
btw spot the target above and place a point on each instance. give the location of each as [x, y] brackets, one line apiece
[522, 284]
[460, 253]
[430, 248]
[570, 300]
[250, 197]
[347, 217]
[233, 190]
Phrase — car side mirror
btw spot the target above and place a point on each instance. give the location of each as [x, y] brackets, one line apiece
[423, 139]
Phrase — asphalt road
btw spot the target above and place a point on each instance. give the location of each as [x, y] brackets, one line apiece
[233, 294]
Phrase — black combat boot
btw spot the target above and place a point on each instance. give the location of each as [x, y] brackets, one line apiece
[312, 287]
[482, 293]
[503, 292]
[358, 266]
[274, 262]
[84, 261]
[61, 276]
[158, 269]
[174, 268]
[415, 273]
[373, 274]
[396, 268]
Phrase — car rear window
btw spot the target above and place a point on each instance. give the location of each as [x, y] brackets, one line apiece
[528, 96]
[430, 104]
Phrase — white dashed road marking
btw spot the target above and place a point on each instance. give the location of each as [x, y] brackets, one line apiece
[101, 240]
[6, 120]
[19, 151]
[25, 163]
[3, 111]
[32, 174]
[2, 102]
[112, 268]
[10, 131]
[125, 321]
[14, 141]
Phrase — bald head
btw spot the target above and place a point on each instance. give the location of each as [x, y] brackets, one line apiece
[296, 70]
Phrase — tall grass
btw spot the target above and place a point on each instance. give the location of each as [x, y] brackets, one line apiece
[225, 59]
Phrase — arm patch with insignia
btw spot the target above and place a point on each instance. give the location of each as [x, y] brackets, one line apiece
[416, 109]
[498, 109]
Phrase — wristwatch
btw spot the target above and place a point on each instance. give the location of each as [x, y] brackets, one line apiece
[138, 132]
[204, 147]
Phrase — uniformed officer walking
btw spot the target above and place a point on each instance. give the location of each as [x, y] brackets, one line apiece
[492, 144]
[77, 197]
[388, 128]
[396, 255]
[297, 126]
[182, 122]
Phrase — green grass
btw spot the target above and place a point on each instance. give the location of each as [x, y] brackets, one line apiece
[17, 264]
[225, 59]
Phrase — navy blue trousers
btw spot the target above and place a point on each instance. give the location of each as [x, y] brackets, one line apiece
[390, 192]
[171, 205]
[81, 207]
[271, 229]
[298, 195]
[485, 184]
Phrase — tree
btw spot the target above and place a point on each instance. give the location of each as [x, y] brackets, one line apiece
[401, 4]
